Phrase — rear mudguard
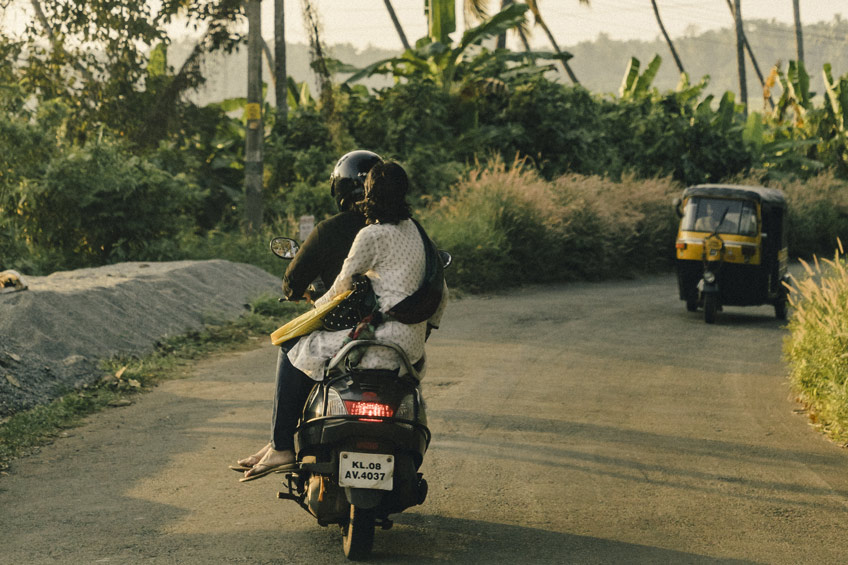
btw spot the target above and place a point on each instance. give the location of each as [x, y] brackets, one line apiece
[363, 497]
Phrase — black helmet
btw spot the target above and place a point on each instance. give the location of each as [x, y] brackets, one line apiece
[348, 178]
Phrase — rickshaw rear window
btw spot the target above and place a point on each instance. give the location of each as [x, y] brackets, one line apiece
[737, 217]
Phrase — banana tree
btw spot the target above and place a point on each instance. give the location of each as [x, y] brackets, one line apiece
[453, 66]
[796, 94]
[634, 84]
[836, 107]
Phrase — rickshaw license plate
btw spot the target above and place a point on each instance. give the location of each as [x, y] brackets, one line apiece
[366, 470]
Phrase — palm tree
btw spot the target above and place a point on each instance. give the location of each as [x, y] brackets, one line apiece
[534, 7]
[667, 38]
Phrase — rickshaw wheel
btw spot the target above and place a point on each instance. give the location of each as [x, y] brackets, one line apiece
[780, 309]
[710, 307]
[692, 304]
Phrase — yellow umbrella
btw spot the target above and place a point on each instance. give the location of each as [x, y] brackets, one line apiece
[306, 323]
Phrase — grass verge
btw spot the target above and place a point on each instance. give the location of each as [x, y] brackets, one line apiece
[127, 376]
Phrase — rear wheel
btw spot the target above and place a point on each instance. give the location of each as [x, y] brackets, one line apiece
[710, 307]
[358, 533]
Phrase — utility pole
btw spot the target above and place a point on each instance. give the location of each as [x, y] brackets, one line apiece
[254, 134]
[280, 82]
[740, 55]
[799, 36]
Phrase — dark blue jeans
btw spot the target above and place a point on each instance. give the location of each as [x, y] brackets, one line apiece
[293, 387]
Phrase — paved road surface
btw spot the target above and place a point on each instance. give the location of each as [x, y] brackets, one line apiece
[583, 423]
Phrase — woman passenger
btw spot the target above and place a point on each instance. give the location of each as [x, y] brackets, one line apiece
[389, 250]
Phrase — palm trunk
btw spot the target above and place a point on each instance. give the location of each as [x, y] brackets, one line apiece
[557, 50]
[740, 56]
[799, 37]
[534, 7]
[502, 37]
[397, 24]
[667, 38]
[751, 55]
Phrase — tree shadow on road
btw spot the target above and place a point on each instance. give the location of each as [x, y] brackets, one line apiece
[427, 538]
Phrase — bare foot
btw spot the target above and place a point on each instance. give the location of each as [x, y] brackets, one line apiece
[252, 460]
[269, 462]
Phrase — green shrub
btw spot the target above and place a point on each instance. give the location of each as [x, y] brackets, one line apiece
[507, 226]
[817, 342]
[818, 213]
[236, 246]
[99, 204]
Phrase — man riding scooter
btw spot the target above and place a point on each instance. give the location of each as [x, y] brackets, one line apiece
[320, 259]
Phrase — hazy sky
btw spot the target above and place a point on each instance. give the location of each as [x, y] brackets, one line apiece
[364, 22]
[368, 22]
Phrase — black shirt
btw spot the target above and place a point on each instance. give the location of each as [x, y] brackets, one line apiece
[323, 253]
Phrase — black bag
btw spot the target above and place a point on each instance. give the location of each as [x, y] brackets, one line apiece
[359, 304]
[422, 304]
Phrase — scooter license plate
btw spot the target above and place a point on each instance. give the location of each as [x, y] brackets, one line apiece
[366, 470]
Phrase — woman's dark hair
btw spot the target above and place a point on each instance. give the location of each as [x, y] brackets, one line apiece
[385, 194]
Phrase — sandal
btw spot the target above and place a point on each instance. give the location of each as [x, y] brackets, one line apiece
[266, 467]
[248, 462]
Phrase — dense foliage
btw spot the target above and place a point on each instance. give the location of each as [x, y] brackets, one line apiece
[103, 159]
[508, 225]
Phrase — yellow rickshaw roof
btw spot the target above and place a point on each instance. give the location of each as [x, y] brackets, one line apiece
[772, 196]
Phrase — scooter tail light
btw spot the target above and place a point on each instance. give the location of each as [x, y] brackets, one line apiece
[369, 409]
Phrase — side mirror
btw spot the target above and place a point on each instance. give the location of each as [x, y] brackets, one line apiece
[446, 258]
[284, 247]
[677, 207]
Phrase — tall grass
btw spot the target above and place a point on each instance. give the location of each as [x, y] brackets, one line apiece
[505, 225]
[817, 346]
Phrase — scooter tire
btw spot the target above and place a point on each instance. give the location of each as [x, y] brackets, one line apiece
[358, 533]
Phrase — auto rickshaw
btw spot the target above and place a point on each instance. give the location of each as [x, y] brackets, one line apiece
[732, 248]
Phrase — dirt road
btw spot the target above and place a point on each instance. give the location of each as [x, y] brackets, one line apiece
[585, 423]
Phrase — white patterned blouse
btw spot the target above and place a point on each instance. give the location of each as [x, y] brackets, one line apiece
[392, 257]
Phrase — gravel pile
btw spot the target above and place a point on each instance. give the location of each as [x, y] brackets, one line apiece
[53, 335]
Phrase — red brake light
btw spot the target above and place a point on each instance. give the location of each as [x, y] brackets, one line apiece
[681, 245]
[357, 408]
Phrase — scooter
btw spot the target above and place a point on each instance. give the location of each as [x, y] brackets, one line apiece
[360, 442]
